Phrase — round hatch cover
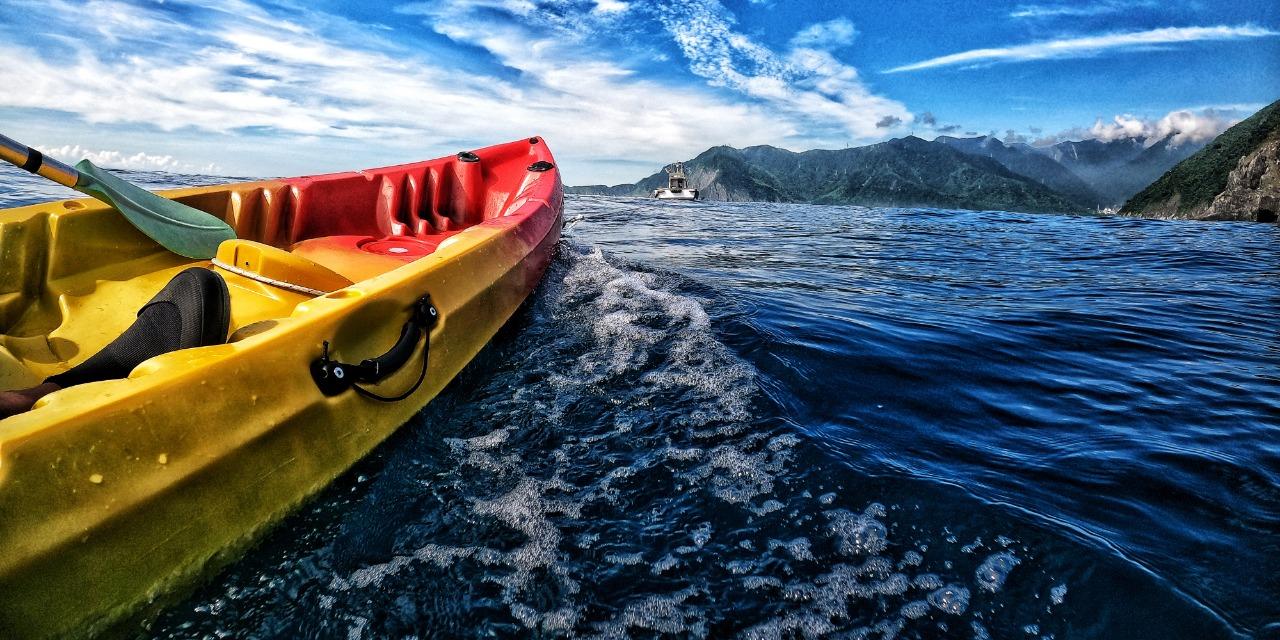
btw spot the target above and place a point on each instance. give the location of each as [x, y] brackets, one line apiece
[398, 247]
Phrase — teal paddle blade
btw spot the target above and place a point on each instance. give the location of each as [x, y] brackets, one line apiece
[181, 229]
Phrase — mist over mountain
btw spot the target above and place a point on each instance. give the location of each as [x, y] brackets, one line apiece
[1028, 161]
[1117, 169]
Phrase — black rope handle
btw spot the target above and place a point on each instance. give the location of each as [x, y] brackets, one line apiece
[422, 375]
[333, 377]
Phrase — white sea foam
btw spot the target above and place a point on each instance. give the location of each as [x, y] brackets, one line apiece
[666, 614]
[857, 534]
[979, 632]
[664, 564]
[682, 455]
[356, 631]
[373, 574]
[737, 476]
[624, 558]
[790, 625]
[756, 583]
[915, 609]
[993, 571]
[768, 507]
[557, 620]
[799, 549]
[479, 443]
[952, 599]
[911, 559]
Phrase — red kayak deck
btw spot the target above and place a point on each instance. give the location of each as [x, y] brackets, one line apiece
[362, 223]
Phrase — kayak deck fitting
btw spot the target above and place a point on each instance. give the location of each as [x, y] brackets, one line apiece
[115, 495]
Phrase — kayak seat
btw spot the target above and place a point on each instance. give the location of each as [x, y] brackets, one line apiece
[359, 257]
[277, 267]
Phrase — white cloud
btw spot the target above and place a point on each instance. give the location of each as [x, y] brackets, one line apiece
[1085, 46]
[1036, 11]
[138, 161]
[611, 6]
[807, 85]
[831, 34]
[801, 97]
[1193, 125]
[598, 108]
[1013, 137]
[1184, 125]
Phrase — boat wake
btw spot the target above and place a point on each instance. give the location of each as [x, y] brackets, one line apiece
[609, 467]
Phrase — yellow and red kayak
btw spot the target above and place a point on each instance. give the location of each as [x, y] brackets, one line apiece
[116, 495]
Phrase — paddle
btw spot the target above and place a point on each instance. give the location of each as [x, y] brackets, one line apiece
[181, 229]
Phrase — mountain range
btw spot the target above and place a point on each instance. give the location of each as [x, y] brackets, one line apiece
[971, 173]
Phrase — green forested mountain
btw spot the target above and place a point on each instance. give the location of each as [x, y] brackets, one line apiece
[1236, 176]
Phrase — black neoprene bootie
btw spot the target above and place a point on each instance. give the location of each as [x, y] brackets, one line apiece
[193, 310]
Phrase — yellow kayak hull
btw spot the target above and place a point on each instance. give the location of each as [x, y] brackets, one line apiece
[117, 495]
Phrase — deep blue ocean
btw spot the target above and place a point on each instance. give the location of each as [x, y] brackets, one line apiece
[791, 421]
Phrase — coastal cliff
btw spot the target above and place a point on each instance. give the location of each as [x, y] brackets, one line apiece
[1253, 188]
[1236, 177]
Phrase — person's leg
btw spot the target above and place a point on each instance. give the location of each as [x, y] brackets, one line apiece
[193, 310]
[14, 402]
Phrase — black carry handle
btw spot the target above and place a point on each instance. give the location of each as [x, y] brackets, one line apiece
[333, 377]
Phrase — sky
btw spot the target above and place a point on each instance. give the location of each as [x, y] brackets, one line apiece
[618, 88]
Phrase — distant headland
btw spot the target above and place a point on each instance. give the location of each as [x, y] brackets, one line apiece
[1235, 177]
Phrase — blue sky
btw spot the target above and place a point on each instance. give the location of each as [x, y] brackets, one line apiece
[618, 87]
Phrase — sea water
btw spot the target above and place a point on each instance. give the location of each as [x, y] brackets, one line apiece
[791, 421]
